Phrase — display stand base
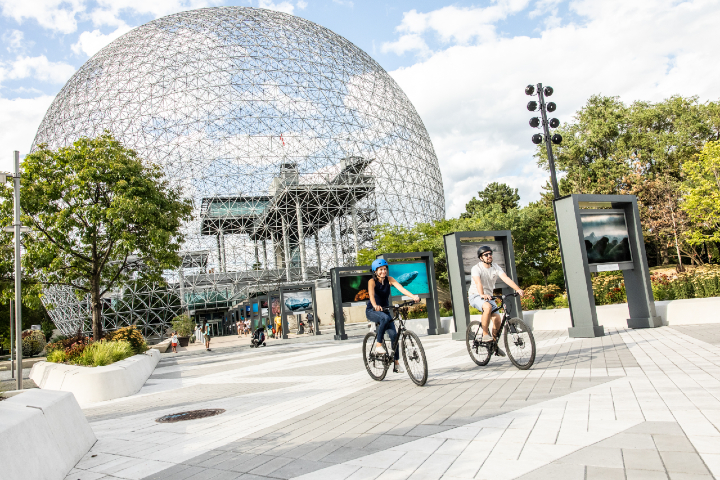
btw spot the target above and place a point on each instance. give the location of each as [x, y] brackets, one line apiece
[435, 331]
[458, 336]
[586, 332]
[648, 322]
[341, 337]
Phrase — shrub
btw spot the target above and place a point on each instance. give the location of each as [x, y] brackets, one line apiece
[417, 311]
[56, 356]
[47, 328]
[103, 353]
[183, 325]
[609, 288]
[33, 342]
[561, 301]
[133, 336]
[540, 296]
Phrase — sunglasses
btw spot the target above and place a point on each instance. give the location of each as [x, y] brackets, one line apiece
[486, 255]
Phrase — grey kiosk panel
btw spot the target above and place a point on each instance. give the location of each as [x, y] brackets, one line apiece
[577, 268]
[309, 289]
[457, 275]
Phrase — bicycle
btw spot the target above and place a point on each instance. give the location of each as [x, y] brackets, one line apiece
[377, 364]
[519, 340]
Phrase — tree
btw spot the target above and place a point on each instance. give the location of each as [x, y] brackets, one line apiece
[99, 215]
[702, 199]
[493, 194]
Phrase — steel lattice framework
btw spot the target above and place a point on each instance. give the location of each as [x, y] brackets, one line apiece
[292, 142]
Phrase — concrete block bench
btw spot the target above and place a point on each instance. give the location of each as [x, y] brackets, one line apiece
[43, 434]
[97, 384]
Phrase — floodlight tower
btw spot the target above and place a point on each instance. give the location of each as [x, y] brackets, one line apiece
[535, 122]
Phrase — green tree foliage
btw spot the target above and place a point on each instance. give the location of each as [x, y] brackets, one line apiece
[640, 149]
[702, 196]
[98, 213]
[494, 194]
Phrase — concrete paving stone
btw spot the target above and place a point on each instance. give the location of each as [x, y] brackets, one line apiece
[642, 441]
[297, 468]
[427, 430]
[344, 454]
[645, 475]
[673, 443]
[689, 476]
[684, 462]
[595, 455]
[270, 466]
[604, 473]
[667, 428]
[642, 460]
[176, 472]
[553, 471]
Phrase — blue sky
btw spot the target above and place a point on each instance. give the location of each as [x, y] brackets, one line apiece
[463, 64]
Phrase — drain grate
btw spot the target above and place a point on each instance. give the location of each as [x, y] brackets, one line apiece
[191, 415]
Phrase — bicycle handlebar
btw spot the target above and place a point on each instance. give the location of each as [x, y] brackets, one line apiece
[503, 297]
[401, 305]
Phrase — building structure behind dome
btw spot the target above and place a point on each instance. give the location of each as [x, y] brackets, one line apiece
[291, 141]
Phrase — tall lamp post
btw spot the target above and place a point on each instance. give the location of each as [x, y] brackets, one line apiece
[17, 229]
[536, 122]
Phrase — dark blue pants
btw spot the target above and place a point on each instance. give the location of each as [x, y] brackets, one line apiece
[384, 324]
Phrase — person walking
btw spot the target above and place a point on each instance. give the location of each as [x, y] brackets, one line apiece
[278, 326]
[208, 334]
[174, 342]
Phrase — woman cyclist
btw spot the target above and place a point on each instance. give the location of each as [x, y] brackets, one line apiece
[379, 290]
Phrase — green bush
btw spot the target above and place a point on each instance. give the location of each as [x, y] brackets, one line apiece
[561, 301]
[183, 325]
[56, 356]
[33, 342]
[103, 353]
[131, 335]
[47, 328]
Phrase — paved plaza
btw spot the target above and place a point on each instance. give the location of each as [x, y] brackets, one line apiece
[635, 404]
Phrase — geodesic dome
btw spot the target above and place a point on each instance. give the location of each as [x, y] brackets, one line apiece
[291, 141]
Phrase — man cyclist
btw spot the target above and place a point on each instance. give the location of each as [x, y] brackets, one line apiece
[484, 276]
[379, 290]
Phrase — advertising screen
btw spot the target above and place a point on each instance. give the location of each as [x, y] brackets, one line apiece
[470, 258]
[354, 288]
[264, 303]
[298, 301]
[606, 237]
[275, 306]
[412, 276]
[254, 307]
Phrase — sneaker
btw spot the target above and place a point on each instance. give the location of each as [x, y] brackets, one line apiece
[487, 338]
[380, 350]
[398, 369]
[499, 352]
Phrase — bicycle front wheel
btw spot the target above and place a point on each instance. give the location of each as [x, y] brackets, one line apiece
[480, 354]
[414, 358]
[376, 368]
[519, 343]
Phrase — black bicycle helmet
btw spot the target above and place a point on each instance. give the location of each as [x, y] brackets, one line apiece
[483, 249]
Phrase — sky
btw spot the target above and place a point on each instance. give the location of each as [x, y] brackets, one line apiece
[463, 64]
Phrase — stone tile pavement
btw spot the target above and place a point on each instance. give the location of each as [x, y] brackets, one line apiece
[632, 404]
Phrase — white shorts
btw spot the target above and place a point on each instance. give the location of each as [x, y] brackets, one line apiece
[477, 301]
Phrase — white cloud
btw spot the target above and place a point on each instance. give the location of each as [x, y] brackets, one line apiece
[15, 40]
[345, 3]
[285, 6]
[39, 68]
[90, 43]
[58, 15]
[20, 119]
[407, 43]
[470, 95]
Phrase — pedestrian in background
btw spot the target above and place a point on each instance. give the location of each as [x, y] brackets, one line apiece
[208, 334]
[174, 342]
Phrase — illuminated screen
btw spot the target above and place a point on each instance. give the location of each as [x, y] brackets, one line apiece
[354, 288]
[298, 301]
[606, 237]
[412, 276]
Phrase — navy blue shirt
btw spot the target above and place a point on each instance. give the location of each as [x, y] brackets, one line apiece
[382, 294]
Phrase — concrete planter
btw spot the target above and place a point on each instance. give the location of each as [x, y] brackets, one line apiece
[42, 424]
[183, 341]
[97, 384]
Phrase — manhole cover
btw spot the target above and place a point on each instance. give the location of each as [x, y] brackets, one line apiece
[191, 415]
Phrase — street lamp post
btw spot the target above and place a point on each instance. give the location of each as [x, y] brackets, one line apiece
[17, 229]
[535, 122]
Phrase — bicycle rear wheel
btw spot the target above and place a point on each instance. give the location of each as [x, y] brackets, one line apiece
[480, 354]
[376, 367]
[519, 343]
[414, 358]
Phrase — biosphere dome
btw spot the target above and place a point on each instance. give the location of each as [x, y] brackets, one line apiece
[291, 141]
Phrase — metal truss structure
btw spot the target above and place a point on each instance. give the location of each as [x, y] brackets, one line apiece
[291, 141]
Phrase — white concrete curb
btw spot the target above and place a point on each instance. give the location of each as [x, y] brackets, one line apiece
[673, 312]
[43, 434]
[97, 384]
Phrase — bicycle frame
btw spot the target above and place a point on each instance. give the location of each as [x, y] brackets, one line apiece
[394, 345]
[503, 324]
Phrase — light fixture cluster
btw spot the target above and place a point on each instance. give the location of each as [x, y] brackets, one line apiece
[536, 122]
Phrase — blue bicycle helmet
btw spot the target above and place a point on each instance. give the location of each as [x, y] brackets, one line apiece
[380, 262]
